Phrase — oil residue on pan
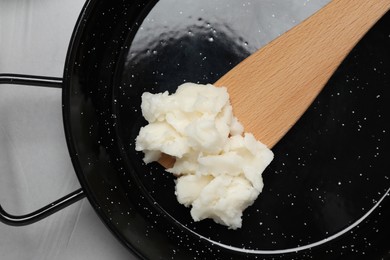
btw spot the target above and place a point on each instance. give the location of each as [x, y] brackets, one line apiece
[330, 171]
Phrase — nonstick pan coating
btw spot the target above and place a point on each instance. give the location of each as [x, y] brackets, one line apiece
[325, 192]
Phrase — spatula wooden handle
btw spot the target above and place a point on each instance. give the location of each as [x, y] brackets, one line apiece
[272, 88]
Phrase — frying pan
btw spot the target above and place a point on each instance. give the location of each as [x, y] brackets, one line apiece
[326, 194]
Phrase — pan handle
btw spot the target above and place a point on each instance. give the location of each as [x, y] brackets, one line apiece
[21, 220]
[39, 81]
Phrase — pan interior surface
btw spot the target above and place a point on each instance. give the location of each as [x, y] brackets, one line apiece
[329, 173]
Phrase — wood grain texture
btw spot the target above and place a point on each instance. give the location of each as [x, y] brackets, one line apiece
[272, 88]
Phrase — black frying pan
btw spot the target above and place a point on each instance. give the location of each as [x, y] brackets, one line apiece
[326, 194]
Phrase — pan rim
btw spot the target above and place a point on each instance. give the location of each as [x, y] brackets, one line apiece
[75, 39]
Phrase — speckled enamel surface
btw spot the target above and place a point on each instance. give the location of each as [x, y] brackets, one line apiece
[326, 192]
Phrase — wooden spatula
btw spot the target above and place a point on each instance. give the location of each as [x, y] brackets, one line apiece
[273, 87]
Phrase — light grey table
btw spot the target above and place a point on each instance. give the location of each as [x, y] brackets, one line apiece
[35, 167]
